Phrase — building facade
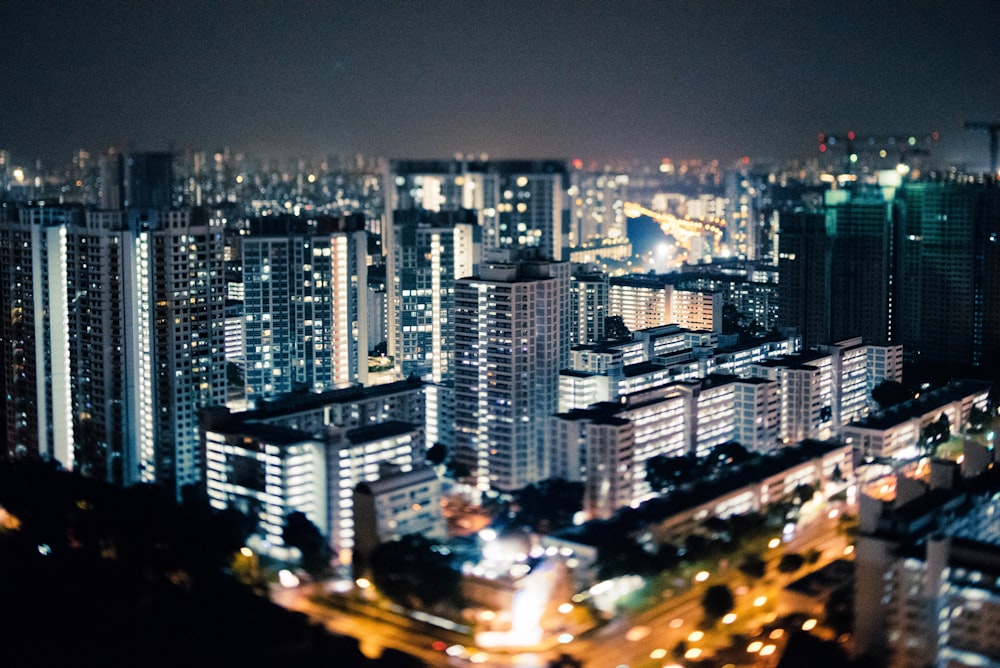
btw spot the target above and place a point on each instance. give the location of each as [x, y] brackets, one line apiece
[511, 341]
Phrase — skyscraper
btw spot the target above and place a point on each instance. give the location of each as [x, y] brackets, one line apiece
[148, 181]
[949, 255]
[179, 339]
[803, 292]
[519, 203]
[36, 414]
[430, 251]
[916, 263]
[859, 224]
[305, 304]
[511, 340]
[590, 300]
[102, 318]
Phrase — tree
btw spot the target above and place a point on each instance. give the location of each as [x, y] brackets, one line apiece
[890, 393]
[625, 557]
[565, 661]
[791, 562]
[549, 504]
[664, 472]
[731, 318]
[717, 601]
[753, 566]
[615, 329]
[803, 492]
[234, 377]
[937, 432]
[457, 470]
[437, 454]
[301, 533]
[728, 454]
[414, 571]
[978, 419]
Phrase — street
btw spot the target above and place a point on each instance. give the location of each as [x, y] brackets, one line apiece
[644, 640]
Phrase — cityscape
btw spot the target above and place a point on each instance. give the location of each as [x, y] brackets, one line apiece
[546, 335]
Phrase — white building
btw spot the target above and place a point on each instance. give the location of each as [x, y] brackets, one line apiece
[511, 341]
[269, 471]
[643, 302]
[266, 472]
[589, 294]
[35, 356]
[850, 374]
[697, 310]
[397, 504]
[755, 409]
[305, 306]
[178, 302]
[897, 431]
[806, 394]
[885, 363]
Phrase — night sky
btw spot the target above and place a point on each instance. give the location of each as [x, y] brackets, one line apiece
[601, 81]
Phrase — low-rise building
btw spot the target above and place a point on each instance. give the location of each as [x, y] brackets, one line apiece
[396, 504]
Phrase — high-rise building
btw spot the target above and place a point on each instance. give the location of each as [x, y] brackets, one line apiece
[806, 392]
[519, 203]
[803, 265]
[102, 318]
[643, 302]
[148, 181]
[927, 562]
[589, 294]
[859, 224]
[949, 256]
[511, 341]
[756, 421]
[179, 340]
[743, 225]
[430, 251]
[697, 310]
[915, 263]
[36, 413]
[850, 379]
[305, 304]
[597, 210]
[116, 339]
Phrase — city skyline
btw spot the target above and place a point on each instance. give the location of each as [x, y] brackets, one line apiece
[597, 81]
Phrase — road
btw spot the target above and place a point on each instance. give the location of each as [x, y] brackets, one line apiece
[654, 633]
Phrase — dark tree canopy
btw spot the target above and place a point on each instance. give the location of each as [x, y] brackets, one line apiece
[549, 504]
[415, 572]
[753, 566]
[665, 472]
[937, 432]
[130, 577]
[791, 562]
[437, 454]
[317, 554]
[889, 393]
[615, 329]
[717, 601]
